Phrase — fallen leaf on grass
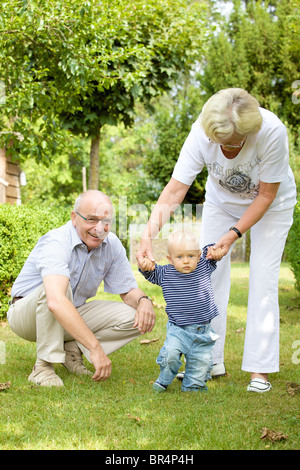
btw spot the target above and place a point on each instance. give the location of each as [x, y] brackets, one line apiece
[136, 418]
[157, 305]
[239, 330]
[292, 388]
[147, 341]
[5, 385]
[273, 436]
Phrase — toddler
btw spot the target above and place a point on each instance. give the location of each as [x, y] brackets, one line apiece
[187, 290]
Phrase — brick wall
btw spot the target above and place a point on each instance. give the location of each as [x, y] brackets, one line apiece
[9, 180]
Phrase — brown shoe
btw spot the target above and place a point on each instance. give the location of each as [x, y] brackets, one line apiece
[73, 361]
[45, 376]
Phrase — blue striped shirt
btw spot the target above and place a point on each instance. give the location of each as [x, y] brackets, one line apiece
[189, 296]
[61, 251]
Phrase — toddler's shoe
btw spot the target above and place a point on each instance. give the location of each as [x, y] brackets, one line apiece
[180, 375]
[218, 370]
[157, 387]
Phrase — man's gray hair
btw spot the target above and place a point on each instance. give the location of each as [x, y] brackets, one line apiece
[81, 196]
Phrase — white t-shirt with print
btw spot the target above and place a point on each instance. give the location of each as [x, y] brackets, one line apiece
[234, 183]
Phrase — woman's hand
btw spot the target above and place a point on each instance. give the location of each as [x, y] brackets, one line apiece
[222, 247]
[215, 253]
[144, 256]
[146, 264]
[170, 198]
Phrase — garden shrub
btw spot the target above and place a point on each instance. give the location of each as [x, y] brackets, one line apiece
[20, 229]
[292, 249]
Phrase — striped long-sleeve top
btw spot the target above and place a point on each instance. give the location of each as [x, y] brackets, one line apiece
[189, 296]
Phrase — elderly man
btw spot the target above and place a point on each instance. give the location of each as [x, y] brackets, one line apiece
[65, 269]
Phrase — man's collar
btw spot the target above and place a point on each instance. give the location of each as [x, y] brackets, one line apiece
[75, 238]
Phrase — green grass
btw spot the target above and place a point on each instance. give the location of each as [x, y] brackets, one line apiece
[124, 413]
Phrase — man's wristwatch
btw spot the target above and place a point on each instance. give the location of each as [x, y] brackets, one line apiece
[144, 297]
[236, 230]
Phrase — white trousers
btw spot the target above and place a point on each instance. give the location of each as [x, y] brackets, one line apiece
[268, 237]
[110, 321]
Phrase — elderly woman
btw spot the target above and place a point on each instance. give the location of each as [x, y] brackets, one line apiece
[250, 186]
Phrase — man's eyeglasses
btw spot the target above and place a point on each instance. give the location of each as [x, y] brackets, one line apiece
[95, 220]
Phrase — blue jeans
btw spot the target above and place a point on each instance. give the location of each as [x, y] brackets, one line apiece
[196, 343]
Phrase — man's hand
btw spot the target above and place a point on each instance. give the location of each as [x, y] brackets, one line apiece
[101, 363]
[144, 317]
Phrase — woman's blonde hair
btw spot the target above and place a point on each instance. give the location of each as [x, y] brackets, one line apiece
[229, 112]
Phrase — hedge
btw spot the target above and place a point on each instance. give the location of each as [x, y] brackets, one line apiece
[20, 228]
[292, 249]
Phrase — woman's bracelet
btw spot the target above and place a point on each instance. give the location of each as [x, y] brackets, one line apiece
[236, 230]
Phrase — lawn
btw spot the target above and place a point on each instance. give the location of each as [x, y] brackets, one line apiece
[124, 412]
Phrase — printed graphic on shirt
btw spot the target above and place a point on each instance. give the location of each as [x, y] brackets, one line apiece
[237, 180]
[241, 184]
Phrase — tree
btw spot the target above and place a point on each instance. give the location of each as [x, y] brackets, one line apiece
[56, 185]
[253, 48]
[256, 49]
[173, 118]
[79, 65]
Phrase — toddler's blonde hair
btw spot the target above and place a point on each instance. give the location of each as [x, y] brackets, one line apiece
[186, 237]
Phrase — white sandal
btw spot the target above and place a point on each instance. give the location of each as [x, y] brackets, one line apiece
[259, 385]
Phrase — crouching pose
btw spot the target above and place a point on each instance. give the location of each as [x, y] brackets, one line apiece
[49, 297]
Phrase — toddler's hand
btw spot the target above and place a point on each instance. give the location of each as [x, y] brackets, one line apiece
[147, 265]
[215, 253]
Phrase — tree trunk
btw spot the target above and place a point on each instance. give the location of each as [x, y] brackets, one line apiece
[94, 162]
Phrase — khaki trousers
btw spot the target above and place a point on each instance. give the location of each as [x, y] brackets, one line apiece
[110, 321]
